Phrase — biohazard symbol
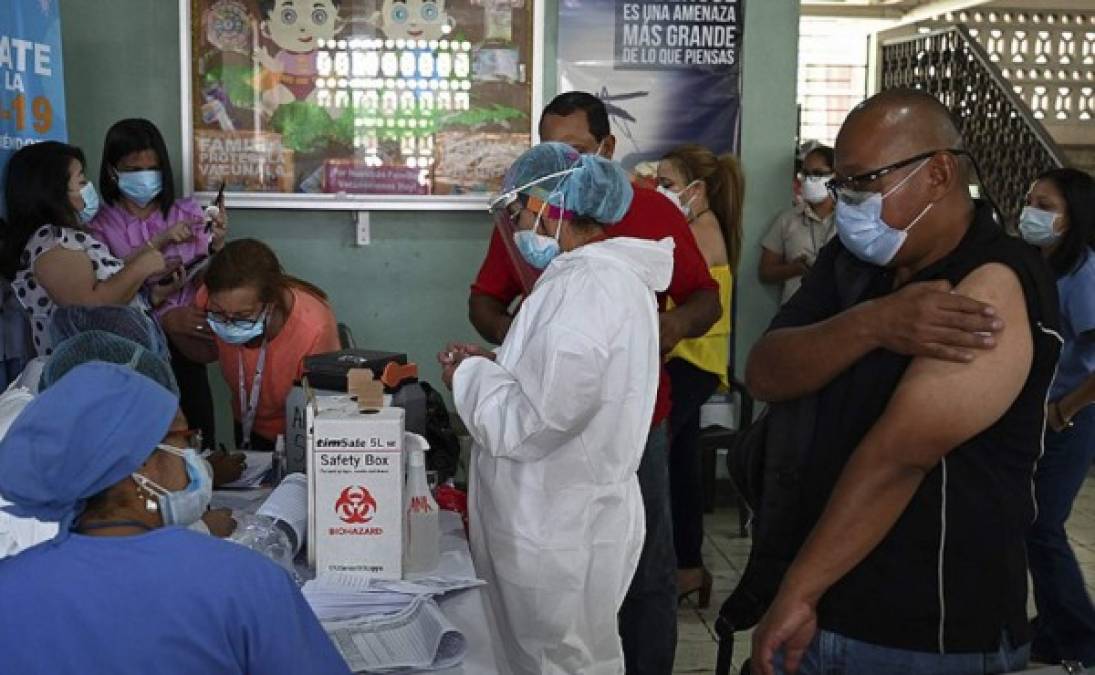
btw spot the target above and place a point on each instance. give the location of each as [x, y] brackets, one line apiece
[355, 505]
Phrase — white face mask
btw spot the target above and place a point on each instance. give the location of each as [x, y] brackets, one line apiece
[814, 190]
[675, 197]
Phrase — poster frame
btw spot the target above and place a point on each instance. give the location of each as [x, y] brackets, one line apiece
[341, 201]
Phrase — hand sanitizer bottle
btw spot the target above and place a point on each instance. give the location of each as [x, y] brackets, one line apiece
[422, 533]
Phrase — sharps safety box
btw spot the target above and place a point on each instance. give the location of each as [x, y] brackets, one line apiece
[355, 490]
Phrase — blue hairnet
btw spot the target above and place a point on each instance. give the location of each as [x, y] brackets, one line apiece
[97, 345]
[127, 322]
[93, 428]
[596, 188]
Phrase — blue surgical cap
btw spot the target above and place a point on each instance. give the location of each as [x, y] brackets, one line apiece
[127, 322]
[596, 188]
[97, 345]
[90, 430]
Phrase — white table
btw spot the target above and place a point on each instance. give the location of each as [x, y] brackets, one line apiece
[468, 610]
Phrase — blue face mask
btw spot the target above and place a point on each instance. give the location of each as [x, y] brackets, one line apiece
[185, 506]
[235, 334]
[91, 203]
[861, 227]
[537, 249]
[140, 187]
[1036, 227]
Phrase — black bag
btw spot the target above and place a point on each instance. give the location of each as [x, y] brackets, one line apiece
[769, 463]
[444, 454]
[767, 467]
[328, 371]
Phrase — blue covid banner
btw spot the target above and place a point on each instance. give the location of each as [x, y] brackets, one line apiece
[669, 71]
[32, 79]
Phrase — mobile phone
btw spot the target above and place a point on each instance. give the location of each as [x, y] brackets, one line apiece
[217, 203]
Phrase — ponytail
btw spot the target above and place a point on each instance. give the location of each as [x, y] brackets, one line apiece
[725, 196]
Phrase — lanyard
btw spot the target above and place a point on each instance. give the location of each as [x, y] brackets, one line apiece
[250, 405]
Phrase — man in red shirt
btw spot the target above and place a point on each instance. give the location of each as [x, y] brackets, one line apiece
[648, 618]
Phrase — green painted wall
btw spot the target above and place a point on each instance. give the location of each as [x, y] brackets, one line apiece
[408, 289]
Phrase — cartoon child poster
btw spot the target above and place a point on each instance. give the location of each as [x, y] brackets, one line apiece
[414, 20]
[337, 95]
[296, 28]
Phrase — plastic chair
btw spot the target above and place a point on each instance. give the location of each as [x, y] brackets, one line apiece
[716, 436]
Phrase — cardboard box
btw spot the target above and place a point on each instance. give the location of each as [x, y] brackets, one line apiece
[355, 491]
[296, 428]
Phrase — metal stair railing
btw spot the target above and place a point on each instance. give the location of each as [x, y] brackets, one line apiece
[1009, 145]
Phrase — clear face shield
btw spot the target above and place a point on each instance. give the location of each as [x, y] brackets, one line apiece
[506, 212]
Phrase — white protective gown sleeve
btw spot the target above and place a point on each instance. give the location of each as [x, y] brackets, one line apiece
[526, 420]
[559, 421]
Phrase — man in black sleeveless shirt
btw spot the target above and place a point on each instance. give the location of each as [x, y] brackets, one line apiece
[927, 338]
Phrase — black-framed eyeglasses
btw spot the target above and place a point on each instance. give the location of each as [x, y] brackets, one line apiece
[244, 322]
[815, 173]
[860, 182]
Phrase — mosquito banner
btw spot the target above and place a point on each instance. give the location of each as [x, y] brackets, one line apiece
[669, 71]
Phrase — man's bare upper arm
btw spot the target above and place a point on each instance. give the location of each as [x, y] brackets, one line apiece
[939, 405]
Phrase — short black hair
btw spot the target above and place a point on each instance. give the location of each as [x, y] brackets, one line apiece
[36, 192]
[267, 6]
[124, 138]
[1078, 190]
[826, 153]
[568, 103]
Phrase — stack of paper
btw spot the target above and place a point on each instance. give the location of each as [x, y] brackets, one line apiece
[417, 638]
[348, 598]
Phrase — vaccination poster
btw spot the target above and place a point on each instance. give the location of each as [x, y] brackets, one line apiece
[32, 80]
[669, 71]
[359, 97]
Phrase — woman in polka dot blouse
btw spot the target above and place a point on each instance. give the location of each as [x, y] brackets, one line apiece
[49, 255]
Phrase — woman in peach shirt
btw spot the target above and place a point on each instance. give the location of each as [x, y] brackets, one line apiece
[265, 322]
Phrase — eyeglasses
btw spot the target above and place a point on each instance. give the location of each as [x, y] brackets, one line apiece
[860, 182]
[237, 321]
[815, 173]
[515, 205]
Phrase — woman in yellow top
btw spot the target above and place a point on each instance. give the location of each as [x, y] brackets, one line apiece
[708, 189]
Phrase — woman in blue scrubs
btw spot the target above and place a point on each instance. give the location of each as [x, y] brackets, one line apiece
[124, 587]
[1060, 219]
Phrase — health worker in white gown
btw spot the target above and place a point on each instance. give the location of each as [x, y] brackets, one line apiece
[560, 415]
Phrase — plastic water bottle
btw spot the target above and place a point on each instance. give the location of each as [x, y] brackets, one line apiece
[422, 532]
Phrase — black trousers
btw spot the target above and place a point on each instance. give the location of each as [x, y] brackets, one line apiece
[691, 387]
[195, 397]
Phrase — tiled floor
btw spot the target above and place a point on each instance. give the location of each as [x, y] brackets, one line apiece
[725, 555]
